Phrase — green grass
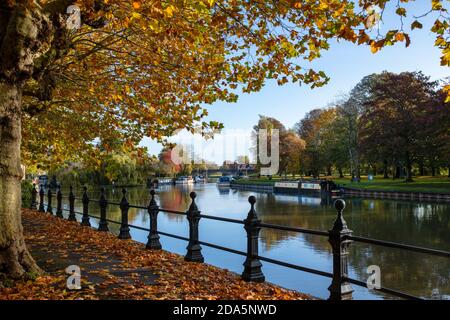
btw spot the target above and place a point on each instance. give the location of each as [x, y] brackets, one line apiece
[420, 184]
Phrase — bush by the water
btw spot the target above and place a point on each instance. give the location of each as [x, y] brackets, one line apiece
[26, 193]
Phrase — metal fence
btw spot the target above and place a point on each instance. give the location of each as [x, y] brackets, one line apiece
[339, 236]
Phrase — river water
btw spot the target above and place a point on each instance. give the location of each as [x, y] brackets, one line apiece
[424, 224]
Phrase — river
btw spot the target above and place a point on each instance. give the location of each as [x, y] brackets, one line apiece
[424, 224]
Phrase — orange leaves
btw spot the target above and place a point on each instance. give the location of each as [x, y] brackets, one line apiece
[136, 5]
[400, 36]
[168, 12]
[103, 253]
[375, 46]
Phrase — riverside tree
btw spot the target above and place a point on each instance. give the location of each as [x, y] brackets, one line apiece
[125, 69]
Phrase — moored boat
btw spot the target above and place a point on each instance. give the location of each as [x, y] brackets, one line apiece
[184, 180]
[224, 181]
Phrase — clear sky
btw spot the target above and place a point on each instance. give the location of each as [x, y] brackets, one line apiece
[345, 63]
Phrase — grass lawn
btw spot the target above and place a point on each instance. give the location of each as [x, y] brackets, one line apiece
[420, 184]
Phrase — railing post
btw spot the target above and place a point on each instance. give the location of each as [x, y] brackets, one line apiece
[194, 249]
[153, 237]
[340, 289]
[72, 216]
[103, 224]
[33, 204]
[41, 199]
[85, 218]
[124, 207]
[252, 265]
[49, 201]
[59, 202]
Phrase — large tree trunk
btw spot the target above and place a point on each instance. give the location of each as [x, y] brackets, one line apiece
[15, 260]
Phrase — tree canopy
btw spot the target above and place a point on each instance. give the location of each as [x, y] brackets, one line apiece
[147, 68]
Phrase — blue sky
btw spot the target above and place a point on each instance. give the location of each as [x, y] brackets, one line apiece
[345, 64]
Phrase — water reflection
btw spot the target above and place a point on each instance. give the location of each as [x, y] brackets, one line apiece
[419, 223]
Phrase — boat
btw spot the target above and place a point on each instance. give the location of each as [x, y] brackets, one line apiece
[199, 179]
[286, 187]
[224, 181]
[310, 187]
[184, 180]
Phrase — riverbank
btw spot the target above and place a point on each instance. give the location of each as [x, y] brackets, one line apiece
[121, 269]
[421, 188]
[439, 185]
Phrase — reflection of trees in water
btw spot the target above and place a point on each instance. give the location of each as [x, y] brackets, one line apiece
[406, 222]
[424, 224]
[414, 273]
[177, 199]
[293, 214]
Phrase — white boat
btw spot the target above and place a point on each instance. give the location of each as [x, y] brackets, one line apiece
[184, 180]
[200, 179]
[224, 181]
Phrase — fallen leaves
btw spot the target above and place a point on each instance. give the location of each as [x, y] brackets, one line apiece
[120, 269]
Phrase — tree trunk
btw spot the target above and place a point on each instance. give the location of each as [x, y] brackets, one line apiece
[408, 168]
[397, 173]
[421, 169]
[15, 260]
[385, 170]
[341, 174]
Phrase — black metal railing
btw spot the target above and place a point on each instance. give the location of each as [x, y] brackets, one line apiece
[339, 236]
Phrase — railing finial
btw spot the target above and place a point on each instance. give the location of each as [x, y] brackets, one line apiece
[193, 205]
[252, 265]
[193, 249]
[252, 213]
[124, 207]
[340, 224]
[153, 242]
[152, 198]
[340, 289]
